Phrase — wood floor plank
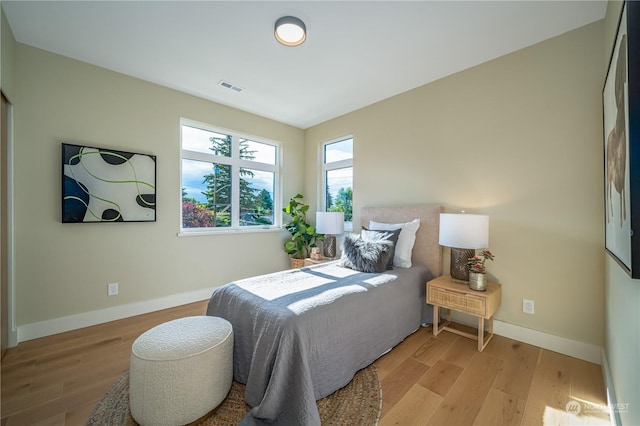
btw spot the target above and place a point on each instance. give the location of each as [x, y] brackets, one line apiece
[587, 383]
[92, 364]
[587, 388]
[93, 389]
[549, 394]
[386, 407]
[461, 351]
[433, 347]
[555, 368]
[12, 404]
[463, 402]
[402, 351]
[80, 414]
[500, 408]
[499, 346]
[415, 408]
[59, 420]
[401, 379]
[440, 377]
[518, 366]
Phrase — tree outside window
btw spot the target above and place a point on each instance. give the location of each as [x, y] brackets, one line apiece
[219, 189]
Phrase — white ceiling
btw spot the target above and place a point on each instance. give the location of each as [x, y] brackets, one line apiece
[356, 52]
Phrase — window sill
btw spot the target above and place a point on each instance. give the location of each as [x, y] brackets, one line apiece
[227, 231]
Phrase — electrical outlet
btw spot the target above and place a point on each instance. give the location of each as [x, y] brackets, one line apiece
[112, 289]
[527, 306]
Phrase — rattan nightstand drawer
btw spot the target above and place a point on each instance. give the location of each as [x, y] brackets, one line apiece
[457, 301]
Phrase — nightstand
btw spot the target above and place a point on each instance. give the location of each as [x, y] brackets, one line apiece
[444, 293]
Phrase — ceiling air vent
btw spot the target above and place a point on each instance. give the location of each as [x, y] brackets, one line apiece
[230, 86]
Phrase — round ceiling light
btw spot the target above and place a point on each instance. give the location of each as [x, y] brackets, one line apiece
[290, 31]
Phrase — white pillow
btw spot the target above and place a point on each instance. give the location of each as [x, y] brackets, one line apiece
[406, 239]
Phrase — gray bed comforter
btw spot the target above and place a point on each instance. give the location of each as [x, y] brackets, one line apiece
[302, 334]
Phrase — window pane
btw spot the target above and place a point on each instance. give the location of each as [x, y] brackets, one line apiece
[339, 192]
[338, 151]
[206, 194]
[199, 140]
[257, 151]
[256, 197]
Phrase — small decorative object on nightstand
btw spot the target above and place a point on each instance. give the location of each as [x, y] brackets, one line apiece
[315, 253]
[477, 270]
[444, 293]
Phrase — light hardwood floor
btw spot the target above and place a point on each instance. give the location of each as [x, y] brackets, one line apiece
[442, 380]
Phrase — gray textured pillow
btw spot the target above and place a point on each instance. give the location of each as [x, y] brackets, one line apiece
[392, 236]
[364, 255]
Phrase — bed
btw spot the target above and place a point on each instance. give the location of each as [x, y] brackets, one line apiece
[302, 334]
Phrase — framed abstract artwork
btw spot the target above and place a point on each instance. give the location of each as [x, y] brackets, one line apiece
[621, 124]
[107, 185]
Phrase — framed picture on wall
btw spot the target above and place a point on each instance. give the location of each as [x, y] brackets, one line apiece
[621, 122]
[107, 185]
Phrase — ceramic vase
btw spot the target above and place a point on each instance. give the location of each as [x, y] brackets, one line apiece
[477, 281]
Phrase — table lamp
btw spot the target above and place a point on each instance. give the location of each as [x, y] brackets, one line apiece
[464, 233]
[329, 224]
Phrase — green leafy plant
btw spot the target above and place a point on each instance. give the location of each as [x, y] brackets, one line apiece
[303, 235]
[476, 263]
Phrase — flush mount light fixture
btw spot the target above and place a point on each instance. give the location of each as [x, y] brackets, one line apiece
[290, 31]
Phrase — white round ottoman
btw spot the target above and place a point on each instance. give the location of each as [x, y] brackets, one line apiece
[180, 370]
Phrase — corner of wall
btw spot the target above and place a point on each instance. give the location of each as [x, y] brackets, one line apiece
[7, 42]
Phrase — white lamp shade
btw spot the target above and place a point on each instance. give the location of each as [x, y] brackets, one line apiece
[467, 231]
[329, 222]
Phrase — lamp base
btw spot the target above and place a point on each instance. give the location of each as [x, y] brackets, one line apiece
[329, 245]
[459, 269]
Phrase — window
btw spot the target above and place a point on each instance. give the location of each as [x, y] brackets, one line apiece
[229, 181]
[337, 171]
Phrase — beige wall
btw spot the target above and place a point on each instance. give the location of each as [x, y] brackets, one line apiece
[64, 269]
[518, 138]
[622, 295]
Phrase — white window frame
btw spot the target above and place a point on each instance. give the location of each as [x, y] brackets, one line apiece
[236, 163]
[325, 167]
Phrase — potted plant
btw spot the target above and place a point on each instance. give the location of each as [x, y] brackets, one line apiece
[303, 235]
[477, 270]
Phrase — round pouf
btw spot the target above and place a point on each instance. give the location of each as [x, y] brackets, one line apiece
[180, 370]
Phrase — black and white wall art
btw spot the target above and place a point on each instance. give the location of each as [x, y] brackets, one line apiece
[106, 185]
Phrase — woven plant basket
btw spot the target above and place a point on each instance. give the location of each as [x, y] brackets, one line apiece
[296, 263]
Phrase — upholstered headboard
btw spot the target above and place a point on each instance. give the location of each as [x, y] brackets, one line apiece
[426, 249]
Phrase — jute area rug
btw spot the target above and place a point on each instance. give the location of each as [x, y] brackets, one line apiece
[358, 403]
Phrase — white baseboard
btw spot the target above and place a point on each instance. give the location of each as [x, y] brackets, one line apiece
[612, 401]
[586, 351]
[87, 319]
